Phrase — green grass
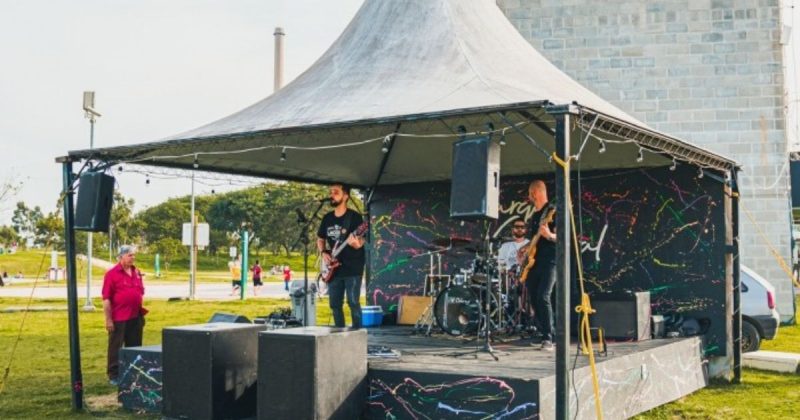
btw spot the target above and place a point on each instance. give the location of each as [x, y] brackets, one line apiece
[38, 380]
[762, 395]
[788, 338]
[210, 269]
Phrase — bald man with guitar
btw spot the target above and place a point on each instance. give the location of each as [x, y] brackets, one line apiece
[538, 261]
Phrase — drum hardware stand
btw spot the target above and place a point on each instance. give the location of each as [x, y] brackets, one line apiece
[485, 310]
[426, 320]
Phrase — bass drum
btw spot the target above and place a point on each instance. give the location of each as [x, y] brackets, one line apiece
[457, 311]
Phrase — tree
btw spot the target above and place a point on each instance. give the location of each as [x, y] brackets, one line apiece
[169, 248]
[164, 220]
[8, 189]
[25, 220]
[50, 230]
[8, 236]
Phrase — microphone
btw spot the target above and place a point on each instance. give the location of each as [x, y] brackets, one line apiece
[301, 218]
[321, 200]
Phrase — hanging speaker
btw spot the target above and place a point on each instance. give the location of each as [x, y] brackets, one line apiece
[475, 189]
[95, 198]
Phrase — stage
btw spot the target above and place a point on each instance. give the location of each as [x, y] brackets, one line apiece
[443, 377]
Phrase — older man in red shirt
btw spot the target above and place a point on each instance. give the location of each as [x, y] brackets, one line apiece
[123, 292]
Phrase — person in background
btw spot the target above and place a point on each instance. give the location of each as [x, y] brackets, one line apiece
[123, 293]
[235, 267]
[256, 277]
[287, 276]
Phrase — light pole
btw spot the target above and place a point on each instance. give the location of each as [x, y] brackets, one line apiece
[91, 114]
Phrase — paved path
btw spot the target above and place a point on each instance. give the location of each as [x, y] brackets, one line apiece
[204, 291]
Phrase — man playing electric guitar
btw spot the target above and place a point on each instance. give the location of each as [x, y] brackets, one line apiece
[338, 226]
[541, 277]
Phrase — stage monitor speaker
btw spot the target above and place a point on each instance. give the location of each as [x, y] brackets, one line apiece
[623, 315]
[226, 317]
[95, 198]
[475, 188]
[210, 371]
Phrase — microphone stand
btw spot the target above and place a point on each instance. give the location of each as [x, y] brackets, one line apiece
[303, 238]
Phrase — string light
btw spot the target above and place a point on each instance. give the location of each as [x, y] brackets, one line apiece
[674, 165]
[196, 163]
[147, 180]
[640, 156]
[700, 172]
[503, 139]
[602, 148]
[386, 141]
[283, 155]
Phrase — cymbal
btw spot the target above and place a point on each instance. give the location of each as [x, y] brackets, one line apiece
[454, 250]
[453, 241]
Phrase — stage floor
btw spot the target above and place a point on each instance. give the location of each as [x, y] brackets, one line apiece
[442, 377]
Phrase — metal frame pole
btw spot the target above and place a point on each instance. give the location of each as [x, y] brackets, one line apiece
[76, 377]
[563, 116]
[245, 267]
[737, 281]
[89, 306]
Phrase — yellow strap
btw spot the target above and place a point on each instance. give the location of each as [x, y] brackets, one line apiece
[585, 308]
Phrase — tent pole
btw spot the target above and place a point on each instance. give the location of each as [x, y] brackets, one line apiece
[737, 280]
[76, 377]
[563, 116]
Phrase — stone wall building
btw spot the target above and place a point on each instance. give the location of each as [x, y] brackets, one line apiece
[707, 71]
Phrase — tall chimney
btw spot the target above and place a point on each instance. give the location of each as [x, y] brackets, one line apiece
[278, 58]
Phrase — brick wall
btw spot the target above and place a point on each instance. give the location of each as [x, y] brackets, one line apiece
[707, 71]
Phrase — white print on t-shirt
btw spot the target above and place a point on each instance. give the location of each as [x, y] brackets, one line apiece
[336, 233]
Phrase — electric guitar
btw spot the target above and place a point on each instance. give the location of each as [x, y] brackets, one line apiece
[530, 252]
[326, 270]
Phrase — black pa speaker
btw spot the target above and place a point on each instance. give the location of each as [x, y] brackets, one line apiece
[225, 317]
[623, 315]
[475, 189]
[95, 198]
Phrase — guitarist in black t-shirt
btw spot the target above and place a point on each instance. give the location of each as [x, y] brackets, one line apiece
[337, 227]
[541, 277]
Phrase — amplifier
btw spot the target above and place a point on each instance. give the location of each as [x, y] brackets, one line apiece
[210, 370]
[622, 315]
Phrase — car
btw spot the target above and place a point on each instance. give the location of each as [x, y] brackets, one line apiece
[760, 319]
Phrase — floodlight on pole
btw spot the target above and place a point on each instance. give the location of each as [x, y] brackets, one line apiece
[91, 114]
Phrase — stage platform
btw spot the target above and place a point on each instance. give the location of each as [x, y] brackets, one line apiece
[445, 377]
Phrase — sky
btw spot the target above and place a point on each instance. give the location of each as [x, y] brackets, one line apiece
[158, 68]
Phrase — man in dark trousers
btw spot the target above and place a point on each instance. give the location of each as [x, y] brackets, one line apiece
[337, 227]
[541, 278]
[123, 292]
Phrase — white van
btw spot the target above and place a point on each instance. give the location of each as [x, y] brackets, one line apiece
[760, 319]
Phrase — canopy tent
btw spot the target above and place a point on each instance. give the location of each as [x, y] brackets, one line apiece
[414, 71]
[385, 103]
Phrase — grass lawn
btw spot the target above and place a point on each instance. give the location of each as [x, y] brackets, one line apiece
[37, 385]
[38, 382]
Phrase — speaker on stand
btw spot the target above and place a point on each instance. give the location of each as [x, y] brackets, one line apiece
[475, 195]
[95, 199]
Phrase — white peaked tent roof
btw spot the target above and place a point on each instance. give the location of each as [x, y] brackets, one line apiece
[418, 69]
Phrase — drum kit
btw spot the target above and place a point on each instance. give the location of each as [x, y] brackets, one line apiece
[484, 298]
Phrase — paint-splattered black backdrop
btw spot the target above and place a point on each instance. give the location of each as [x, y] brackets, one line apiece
[646, 229]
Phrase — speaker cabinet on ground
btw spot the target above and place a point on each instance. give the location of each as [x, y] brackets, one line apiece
[95, 199]
[623, 316]
[475, 189]
[210, 370]
[312, 373]
[226, 317]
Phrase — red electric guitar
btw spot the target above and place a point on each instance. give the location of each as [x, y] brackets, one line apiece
[326, 270]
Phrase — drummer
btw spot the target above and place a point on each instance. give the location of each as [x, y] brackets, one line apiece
[507, 255]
